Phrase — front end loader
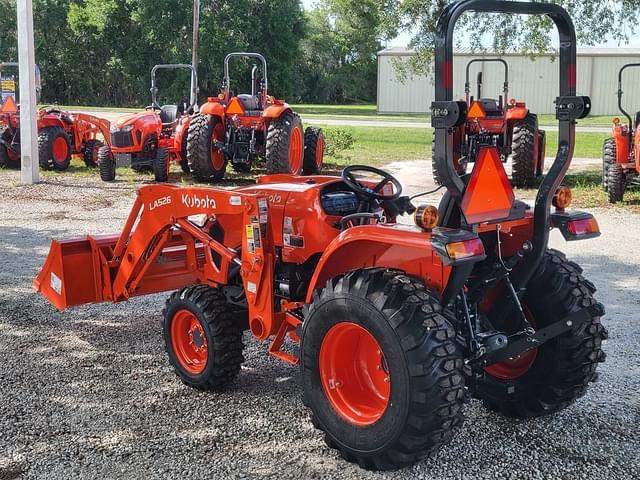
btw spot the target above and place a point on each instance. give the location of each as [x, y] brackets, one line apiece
[393, 326]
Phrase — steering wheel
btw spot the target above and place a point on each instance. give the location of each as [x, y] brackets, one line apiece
[348, 175]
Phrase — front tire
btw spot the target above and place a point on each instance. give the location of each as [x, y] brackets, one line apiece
[381, 369]
[161, 165]
[91, 152]
[559, 371]
[608, 159]
[313, 151]
[54, 149]
[524, 161]
[203, 337]
[207, 163]
[285, 145]
[616, 183]
[107, 164]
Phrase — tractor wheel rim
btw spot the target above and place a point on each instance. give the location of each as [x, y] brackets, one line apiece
[295, 151]
[319, 151]
[189, 342]
[60, 150]
[217, 155]
[513, 368]
[354, 374]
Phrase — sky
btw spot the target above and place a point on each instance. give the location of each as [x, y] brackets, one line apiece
[404, 38]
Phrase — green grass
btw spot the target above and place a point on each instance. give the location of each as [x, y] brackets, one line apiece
[377, 146]
[588, 193]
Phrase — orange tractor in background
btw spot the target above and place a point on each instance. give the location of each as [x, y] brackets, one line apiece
[506, 123]
[150, 140]
[393, 325]
[620, 158]
[239, 129]
[61, 135]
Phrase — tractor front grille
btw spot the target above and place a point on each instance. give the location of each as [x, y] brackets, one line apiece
[121, 139]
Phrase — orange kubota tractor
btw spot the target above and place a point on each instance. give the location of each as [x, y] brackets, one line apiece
[395, 324]
[150, 140]
[620, 158]
[507, 123]
[239, 129]
[61, 134]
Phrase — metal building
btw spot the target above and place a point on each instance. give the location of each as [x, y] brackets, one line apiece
[532, 80]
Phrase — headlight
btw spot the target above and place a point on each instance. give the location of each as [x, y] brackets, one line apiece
[126, 128]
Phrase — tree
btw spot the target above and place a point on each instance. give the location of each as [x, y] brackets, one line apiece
[339, 62]
[594, 21]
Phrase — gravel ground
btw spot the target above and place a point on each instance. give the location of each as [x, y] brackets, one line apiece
[88, 393]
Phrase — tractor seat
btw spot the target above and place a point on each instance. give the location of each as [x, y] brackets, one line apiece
[168, 113]
[491, 107]
[249, 102]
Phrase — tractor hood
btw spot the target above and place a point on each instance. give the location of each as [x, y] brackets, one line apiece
[146, 119]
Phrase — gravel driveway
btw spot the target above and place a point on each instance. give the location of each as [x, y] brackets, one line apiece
[88, 393]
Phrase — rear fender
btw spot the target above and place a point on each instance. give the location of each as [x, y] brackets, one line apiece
[275, 111]
[517, 113]
[394, 246]
[212, 108]
[622, 140]
[182, 130]
[50, 121]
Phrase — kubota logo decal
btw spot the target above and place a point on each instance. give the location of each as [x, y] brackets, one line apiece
[195, 201]
[159, 202]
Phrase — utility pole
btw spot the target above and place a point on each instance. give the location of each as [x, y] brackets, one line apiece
[28, 100]
[194, 50]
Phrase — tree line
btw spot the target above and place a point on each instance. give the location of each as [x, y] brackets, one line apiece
[100, 52]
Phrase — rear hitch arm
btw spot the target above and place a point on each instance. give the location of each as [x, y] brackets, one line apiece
[521, 342]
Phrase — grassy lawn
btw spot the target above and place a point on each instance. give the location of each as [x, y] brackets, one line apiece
[588, 192]
[378, 146]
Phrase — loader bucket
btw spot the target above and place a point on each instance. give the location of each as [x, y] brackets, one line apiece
[71, 275]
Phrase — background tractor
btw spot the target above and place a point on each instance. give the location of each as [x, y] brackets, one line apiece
[150, 140]
[242, 128]
[620, 160]
[61, 134]
[506, 123]
[393, 325]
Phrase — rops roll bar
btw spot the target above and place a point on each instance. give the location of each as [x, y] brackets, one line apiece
[620, 92]
[467, 83]
[447, 113]
[226, 81]
[175, 66]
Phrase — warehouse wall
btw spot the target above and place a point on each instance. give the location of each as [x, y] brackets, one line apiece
[533, 81]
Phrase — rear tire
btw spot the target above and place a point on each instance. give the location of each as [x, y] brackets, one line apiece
[213, 358]
[206, 164]
[564, 366]
[285, 145]
[161, 165]
[91, 151]
[608, 159]
[107, 164]
[523, 160]
[4, 157]
[416, 350]
[616, 183]
[313, 151]
[54, 149]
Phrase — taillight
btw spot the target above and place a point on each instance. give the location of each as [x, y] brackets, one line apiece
[586, 226]
[465, 249]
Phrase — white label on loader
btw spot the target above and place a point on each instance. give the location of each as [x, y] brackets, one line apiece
[235, 200]
[56, 283]
[252, 287]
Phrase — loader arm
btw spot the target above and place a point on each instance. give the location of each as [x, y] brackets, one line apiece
[102, 124]
[161, 249]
